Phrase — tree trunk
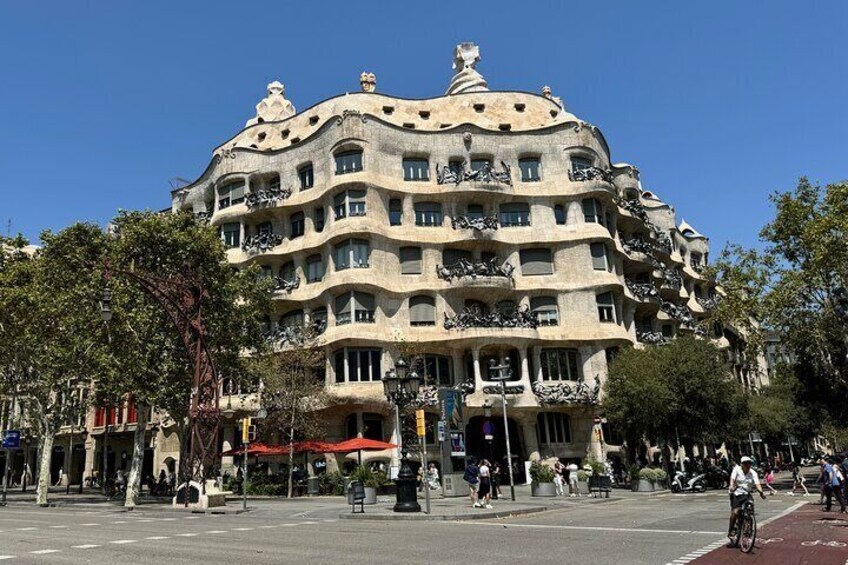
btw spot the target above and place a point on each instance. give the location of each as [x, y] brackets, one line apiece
[134, 479]
[46, 446]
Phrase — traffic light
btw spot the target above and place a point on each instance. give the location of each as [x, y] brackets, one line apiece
[246, 435]
[419, 423]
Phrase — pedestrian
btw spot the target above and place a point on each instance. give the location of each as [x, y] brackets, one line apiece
[485, 490]
[559, 480]
[822, 481]
[433, 477]
[61, 476]
[471, 477]
[496, 481]
[573, 487]
[798, 480]
[833, 485]
[770, 480]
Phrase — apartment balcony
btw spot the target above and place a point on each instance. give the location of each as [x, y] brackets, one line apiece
[261, 242]
[590, 174]
[266, 197]
[650, 337]
[559, 393]
[642, 291]
[709, 303]
[485, 176]
[473, 318]
[475, 223]
[482, 273]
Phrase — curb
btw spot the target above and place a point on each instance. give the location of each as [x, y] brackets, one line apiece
[443, 517]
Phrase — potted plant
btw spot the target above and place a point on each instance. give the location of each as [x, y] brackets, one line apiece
[369, 480]
[542, 477]
[649, 480]
[582, 481]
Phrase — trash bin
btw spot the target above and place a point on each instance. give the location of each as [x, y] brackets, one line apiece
[313, 485]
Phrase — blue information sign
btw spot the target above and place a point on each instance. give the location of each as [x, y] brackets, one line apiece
[11, 439]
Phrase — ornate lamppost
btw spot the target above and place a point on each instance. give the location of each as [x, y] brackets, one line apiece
[401, 386]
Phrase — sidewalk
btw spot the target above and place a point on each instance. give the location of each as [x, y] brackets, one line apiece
[804, 535]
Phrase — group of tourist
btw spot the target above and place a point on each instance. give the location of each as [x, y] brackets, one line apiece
[566, 474]
[484, 482]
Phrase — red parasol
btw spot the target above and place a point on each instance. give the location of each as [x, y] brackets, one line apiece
[360, 444]
[256, 448]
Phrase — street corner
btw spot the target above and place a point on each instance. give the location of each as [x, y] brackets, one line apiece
[803, 535]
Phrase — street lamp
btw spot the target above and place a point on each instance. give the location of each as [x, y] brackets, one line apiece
[105, 305]
[501, 374]
[401, 387]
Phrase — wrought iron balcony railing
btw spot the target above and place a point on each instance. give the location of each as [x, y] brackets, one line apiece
[465, 268]
[650, 337]
[709, 303]
[287, 285]
[636, 245]
[590, 173]
[567, 393]
[671, 278]
[482, 223]
[261, 242]
[457, 173]
[269, 196]
[295, 335]
[642, 291]
[699, 268]
[473, 318]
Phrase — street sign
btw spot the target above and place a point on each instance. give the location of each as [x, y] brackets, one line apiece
[488, 430]
[11, 439]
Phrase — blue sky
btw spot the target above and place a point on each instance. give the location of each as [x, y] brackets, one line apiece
[718, 103]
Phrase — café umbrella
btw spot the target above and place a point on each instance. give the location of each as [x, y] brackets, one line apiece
[360, 444]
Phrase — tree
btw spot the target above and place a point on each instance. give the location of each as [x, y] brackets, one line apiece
[149, 362]
[293, 392]
[680, 390]
[51, 336]
[791, 286]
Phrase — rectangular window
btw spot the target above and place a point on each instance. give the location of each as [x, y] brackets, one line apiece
[410, 261]
[592, 211]
[428, 214]
[544, 308]
[340, 205]
[288, 272]
[479, 164]
[348, 162]
[416, 170]
[529, 170]
[314, 268]
[451, 257]
[356, 202]
[422, 311]
[606, 308]
[580, 164]
[560, 214]
[536, 262]
[353, 252]
[231, 234]
[474, 212]
[553, 428]
[437, 370]
[230, 194]
[599, 256]
[560, 365]
[363, 308]
[307, 177]
[395, 212]
[515, 214]
[342, 255]
[319, 220]
[298, 225]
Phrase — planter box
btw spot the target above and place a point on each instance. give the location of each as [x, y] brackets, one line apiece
[583, 487]
[645, 486]
[543, 489]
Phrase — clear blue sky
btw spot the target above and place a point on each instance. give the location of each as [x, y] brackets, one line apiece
[718, 103]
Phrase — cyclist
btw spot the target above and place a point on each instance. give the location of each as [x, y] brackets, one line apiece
[743, 481]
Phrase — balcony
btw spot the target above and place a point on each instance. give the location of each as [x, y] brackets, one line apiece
[709, 303]
[549, 393]
[473, 318]
[286, 285]
[699, 268]
[636, 245]
[456, 174]
[480, 223]
[590, 173]
[296, 335]
[261, 242]
[266, 197]
[634, 207]
[671, 278]
[650, 337]
[464, 268]
[642, 291]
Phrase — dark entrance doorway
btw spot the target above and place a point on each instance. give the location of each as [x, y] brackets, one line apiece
[495, 450]
[57, 464]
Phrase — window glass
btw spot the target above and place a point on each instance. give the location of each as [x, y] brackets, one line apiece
[474, 211]
[592, 211]
[319, 220]
[536, 262]
[580, 163]
[231, 234]
[288, 272]
[544, 308]
[314, 268]
[361, 251]
[298, 224]
[395, 212]
[342, 255]
[348, 162]
[560, 364]
[559, 214]
[553, 428]
[410, 261]
[438, 370]
[478, 164]
[529, 169]
[428, 214]
[340, 205]
[416, 170]
[606, 307]
[363, 307]
[356, 202]
[230, 194]
[372, 424]
[451, 256]
[599, 256]
[422, 311]
[306, 175]
[292, 319]
[515, 214]
[265, 228]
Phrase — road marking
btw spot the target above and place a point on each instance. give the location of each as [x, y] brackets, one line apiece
[58, 527]
[167, 519]
[584, 528]
[87, 546]
[123, 541]
[120, 522]
[26, 529]
[157, 537]
[242, 529]
[89, 524]
[217, 532]
[45, 551]
[2, 557]
[188, 535]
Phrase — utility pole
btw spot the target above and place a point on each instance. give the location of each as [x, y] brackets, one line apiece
[502, 373]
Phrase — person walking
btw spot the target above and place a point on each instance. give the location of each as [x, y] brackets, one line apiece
[559, 480]
[496, 481]
[485, 491]
[573, 486]
[798, 480]
[471, 477]
[770, 480]
[833, 485]
[432, 477]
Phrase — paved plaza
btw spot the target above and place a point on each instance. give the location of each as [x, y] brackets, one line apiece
[627, 528]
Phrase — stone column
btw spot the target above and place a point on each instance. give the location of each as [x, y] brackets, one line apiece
[478, 377]
[524, 367]
[536, 352]
[528, 428]
[459, 375]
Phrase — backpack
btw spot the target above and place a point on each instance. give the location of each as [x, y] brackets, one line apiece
[470, 475]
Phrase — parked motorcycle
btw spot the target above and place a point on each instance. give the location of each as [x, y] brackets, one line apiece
[680, 483]
[716, 477]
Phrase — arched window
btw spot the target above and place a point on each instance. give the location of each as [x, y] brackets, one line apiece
[306, 176]
[288, 272]
[298, 225]
[348, 162]
[514, 214]
[560, 364]
[553, 428]
[506, 307]
[292, 319]
[422, 311]
[476, 307]
[356, 307]
[544, 309]
[395, 212]
[349, 203]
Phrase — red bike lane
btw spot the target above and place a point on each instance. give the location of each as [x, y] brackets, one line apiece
[804, 536]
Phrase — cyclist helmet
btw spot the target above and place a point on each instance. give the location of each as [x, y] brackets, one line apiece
[746, 459]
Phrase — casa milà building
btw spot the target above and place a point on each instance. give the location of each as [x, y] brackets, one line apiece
[479, 225]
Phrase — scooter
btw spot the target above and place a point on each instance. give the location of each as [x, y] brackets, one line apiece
[681, 484]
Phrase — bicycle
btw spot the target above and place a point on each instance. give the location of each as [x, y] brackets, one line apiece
[745, 534]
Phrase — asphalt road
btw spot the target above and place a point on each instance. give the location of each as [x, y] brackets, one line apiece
[632, 530]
